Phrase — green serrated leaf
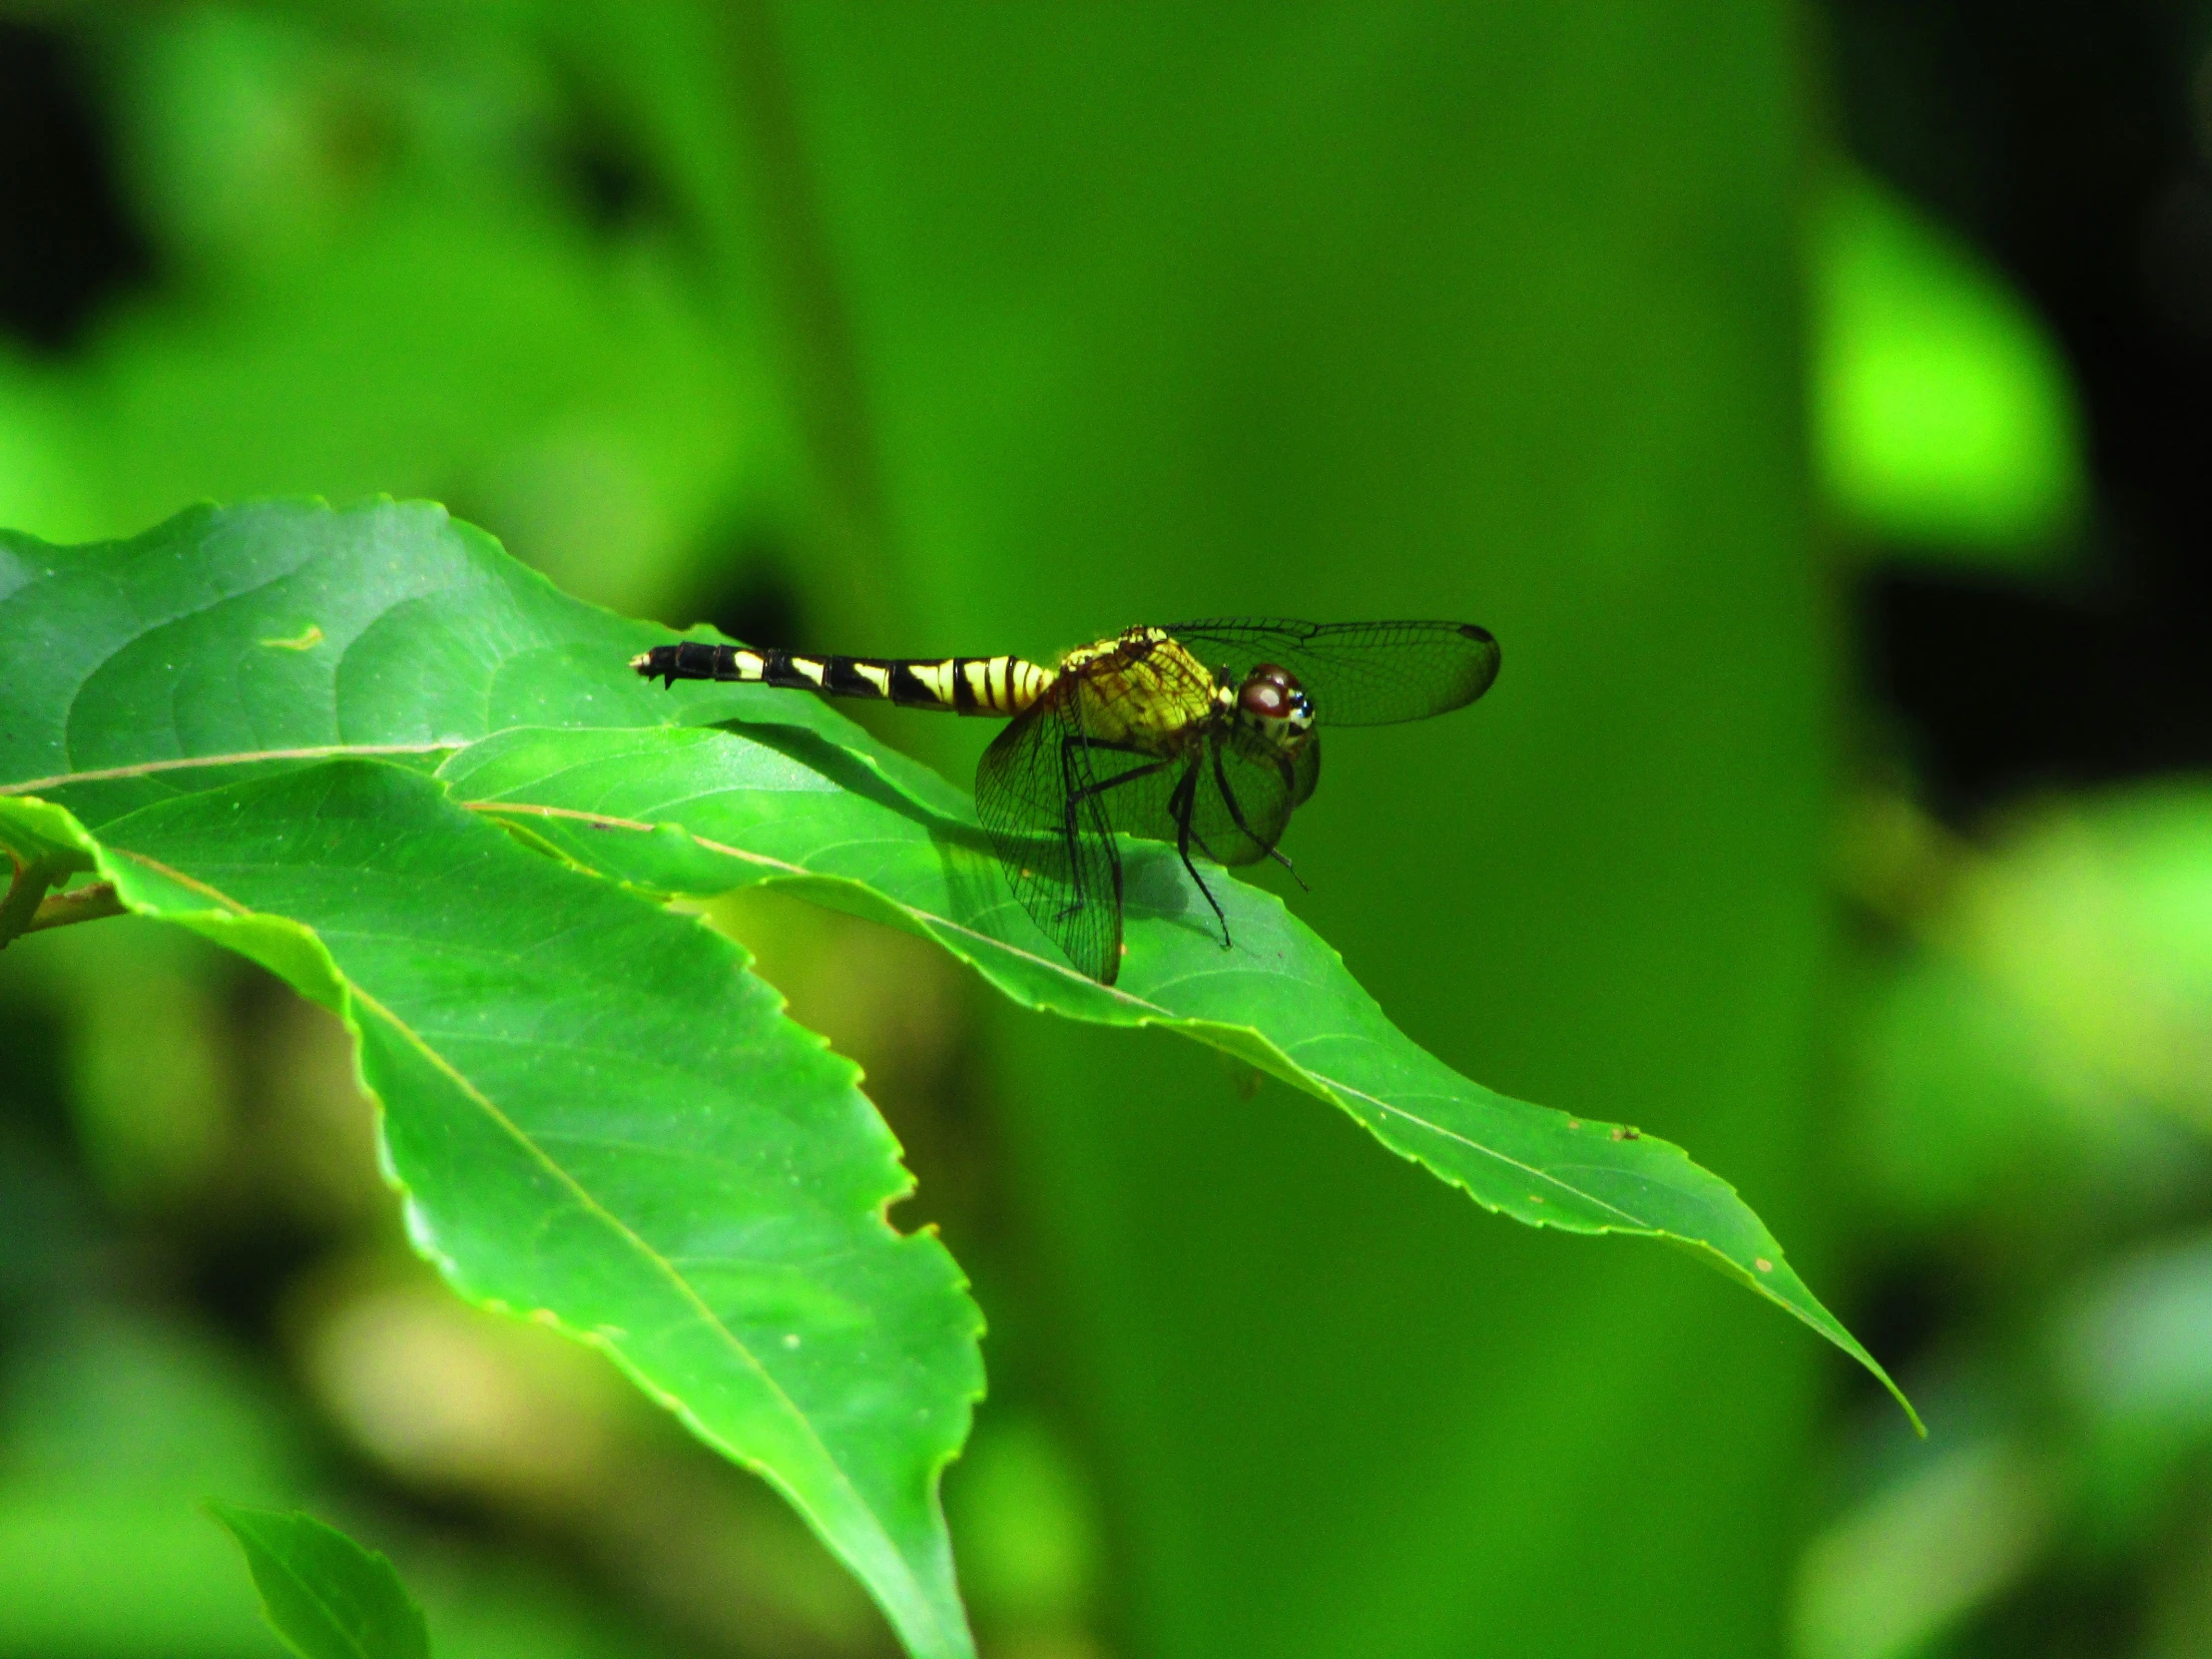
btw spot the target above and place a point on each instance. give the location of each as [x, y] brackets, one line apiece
[324, 1594]
[434, 641]
[602, 1121]
[785, 808]
[266, 715]
[701, 1187]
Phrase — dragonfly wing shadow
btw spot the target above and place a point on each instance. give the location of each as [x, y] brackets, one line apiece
[855, 775]
[1155, 886]
[977, 894]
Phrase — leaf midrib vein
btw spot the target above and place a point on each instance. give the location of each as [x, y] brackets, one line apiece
[580, 1194]
[147, 768]
[1379, 1104]
[767, 861]
[1533, 1171]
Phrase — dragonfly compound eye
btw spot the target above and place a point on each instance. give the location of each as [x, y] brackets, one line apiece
[1270, 696]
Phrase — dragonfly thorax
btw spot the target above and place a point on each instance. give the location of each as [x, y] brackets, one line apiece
[1142, 691]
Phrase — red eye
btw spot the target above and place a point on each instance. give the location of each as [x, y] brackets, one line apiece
[1266, 693]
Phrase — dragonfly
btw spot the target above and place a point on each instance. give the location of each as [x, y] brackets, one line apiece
[1202, 734]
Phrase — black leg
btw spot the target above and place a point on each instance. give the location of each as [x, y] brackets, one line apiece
[1236, 814]
[1071, 832]
[1069, 835]
[1068, 747]
[1182, 804]
[1069, 744]
[1114, 783]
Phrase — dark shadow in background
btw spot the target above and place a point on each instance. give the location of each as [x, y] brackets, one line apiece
[68, 246]
[2070, 143]
[2073, 145]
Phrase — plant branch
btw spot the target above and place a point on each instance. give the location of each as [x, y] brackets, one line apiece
[87, 904]
[26, 889]
[28, 908]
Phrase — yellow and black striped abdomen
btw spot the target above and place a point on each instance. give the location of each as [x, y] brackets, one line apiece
[957, 685]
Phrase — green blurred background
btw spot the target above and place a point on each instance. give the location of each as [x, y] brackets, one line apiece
[1816, 401]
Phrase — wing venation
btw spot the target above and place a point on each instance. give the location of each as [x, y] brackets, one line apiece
[1036, 795]
[1358, 673]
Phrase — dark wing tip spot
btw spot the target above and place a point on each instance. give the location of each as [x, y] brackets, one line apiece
[1489, 658]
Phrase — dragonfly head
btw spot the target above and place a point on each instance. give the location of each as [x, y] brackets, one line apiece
[1273, 707]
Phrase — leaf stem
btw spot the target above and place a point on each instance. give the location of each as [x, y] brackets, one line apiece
[25, 889]
[88, 904]
[28, 908]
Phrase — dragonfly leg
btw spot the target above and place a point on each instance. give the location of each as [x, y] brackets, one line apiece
[1071, 830]
[1236, 815]
[1181, 805]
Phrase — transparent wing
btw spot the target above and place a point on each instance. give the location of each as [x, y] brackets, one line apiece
[1356, 673]
[1243, 796]
[1141, 802]
[1241, 792]
[1042, 791]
